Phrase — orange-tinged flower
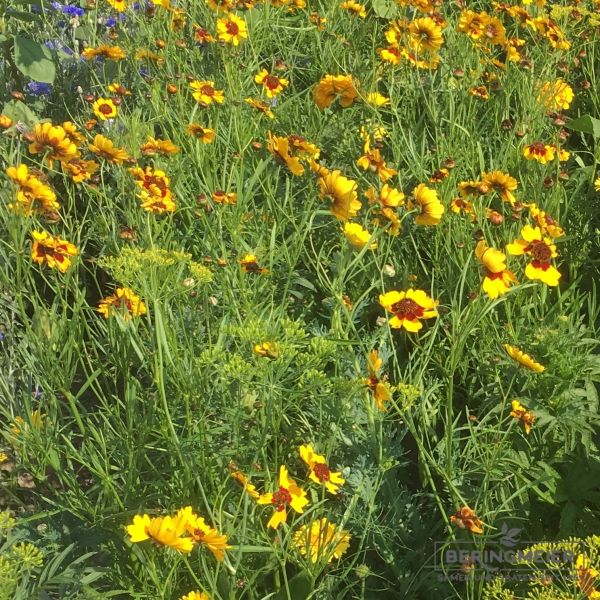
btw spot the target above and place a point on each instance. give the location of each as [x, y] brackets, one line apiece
[5, 122]
[473, 23]
[391, 54]
[33, 195]
[358, 237]
[587, 576]
[272, 84]
[556, 95]
[80, 170]
[332, 87]
[354, 8]
[342, 193]
[380, 388]
[250, 264]
[163, 531]
[545, 222]
[541, 250]
[204, 134]
[107, 52]
[244, 481]
[105, 148]
[118, 89]
[205, 92]
[260, 106]
[266, 349]
[203, 534]
[231, 29]
[73, 133]
[502, 183]
[124, 302]
[387, 197]
[104, 108]
[52, 251]
[427, 201]
[520, 412]
[523, 359]
[498, 278]
[460, 206]
[542, 153]
[319, 470]
[371, 160]
[222, 197]
[465, 518]
[287, 494]
[52, 141]
[321, 540]
[280, 148]
[202, 36]
[152, 147]
[195, 595]
[408, 308]
[425, 35]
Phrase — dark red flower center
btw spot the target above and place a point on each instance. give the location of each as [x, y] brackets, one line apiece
[122, 302]
[321, 471]
[538, 148]
[105, 109]
[232, 28]
[271, 82]
[407, 309]
[540, 251]
[207, 90]
[281, 498]
[493, 276]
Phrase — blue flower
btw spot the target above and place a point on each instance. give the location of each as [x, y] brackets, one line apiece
[35, 88]
[71, 11]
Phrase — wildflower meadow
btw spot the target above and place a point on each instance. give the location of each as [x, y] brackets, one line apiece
[299, 299]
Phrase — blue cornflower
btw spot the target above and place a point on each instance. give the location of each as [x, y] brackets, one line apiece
[36, 88]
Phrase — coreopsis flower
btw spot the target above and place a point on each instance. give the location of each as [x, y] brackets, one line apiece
[429, 62]
[377, 100]
[556, 95]
[231, 29]
[391, 54]
[332, 87]
[5, 122]
[287, 494]
[105, 148]
[460, 206]
[372, 160]
[523, 359]
[104, 51]
[280, 148]
[149, 55]
[73, 133]
[587, 576]
[152, 183]
[427, 202]
[266, 349]
[272, 84]
[548, 29]
[425, 35]
[354, 8]
[124, 302]
[319, 470]
[473, 188]
[520, 412]
[542, 153]
[497, 278]
[118, 5]
[321, 541]
[104, 108]
[201, 533]
[195, 595]
[33, 195]
[480, 91]
[118, 89]
[342, 193]
[249, 264]
[303, 147]
[260, 106]
[222, 197]
[52, 251]
[204, 134]
[541, 250]
[473, 23]
[465, 518]
[202, 36]
[408, 308]
[243, 480]
[36, 420]
[380, 388]
[221, 5]
[157, 204]
[502, 183]
[205, 93]
[152, 147]
[53, 141]
[163, 531]
[387, 197]
[597, 184]
[545, 222]
[358, 237]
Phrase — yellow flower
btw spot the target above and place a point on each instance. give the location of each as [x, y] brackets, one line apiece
[321, 540]
[231, 29]
[280, 148]
[541, 250]
[273, 85]
[502, 183]
[391, 54]
[195, 596]
[287, 494]
[204, 534]
[358, 237]
[342, 193]
[104, 108]
[542, 153]
[250, 264]
[545, 222]
[52, 141]
[205, 93]
[104, 147]
[260, 106]
[249, 488]
[80, 170]
[520, 412]
[319, 470]
[388, 196]
[335, 86]
[223, 197]
[107, 52]
[425, 35]
[381, 389]
[53, 251]
[408, 308]
[124, 302]
[427, 201]
[555, 95]
[372, 160]
[204, 134]
[355, 8]
[33, 195]
[465, 518]
[498, 278]
[266, 349]
[523, 359]
[36, 420]
[152, 147]
[5, 122]
[164, 531]
[377, 100]
[597, 184]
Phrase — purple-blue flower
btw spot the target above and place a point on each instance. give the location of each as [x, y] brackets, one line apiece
[36, 88]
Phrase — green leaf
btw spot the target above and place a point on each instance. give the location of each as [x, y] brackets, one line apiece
[386, 9]
[299, 586]
[585, 124]
[23, 16]
[34, 60]
[17, 111]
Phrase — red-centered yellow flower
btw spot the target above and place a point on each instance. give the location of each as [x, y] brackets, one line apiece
[332, 87]
[303, 147]
[153, 183]
[280, 148]
[319, 470]
[196, 595]
[204, 134]
[260, 106]
[523, 359]
[502, 183]
[223, 197]
[545, 222]
[118, 89]
[104, 147]
[118, 5]
[157, 204]
[73, 133]
[52, 141]
[541, 250]
[472, 23]
[272, 84]
[163, 531]
[143, 54]
[250, 264]
[497, 279]
[391, 54]
[287, 494]
[480, 91]
[342, 193]
[33, 195]
[429, 62]
[425, 35]
[205, 93]
[520, 412]
[465, 518]
[104, 108]
[556, 95]
[587, 577]
[427, 201]
[152, 147]
[231, 29]
[408, 308]
[203, 534]
[221, 5]
[371, 160]
[380, 388]
[52, 251]
[460, 206]
[358, 237]
[542, 153]
[124, 302]
[473, 188]
[266, 349]
[354, 8]
[321, 541]
[202, 36]
[244, 481]
[388, 197]
[104, 51]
